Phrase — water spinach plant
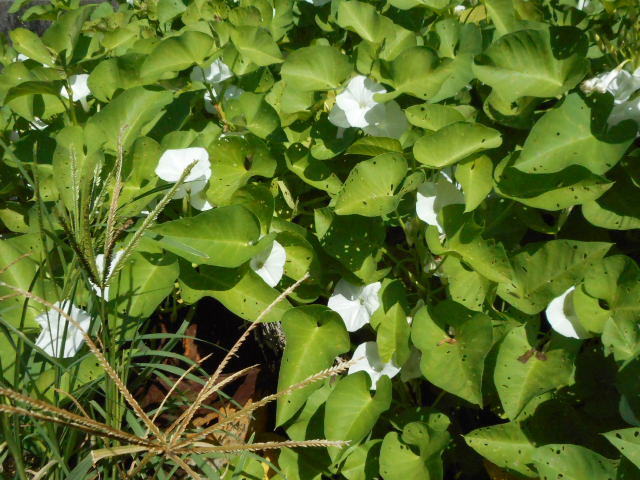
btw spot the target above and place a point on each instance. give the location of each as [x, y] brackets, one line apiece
[450, 186]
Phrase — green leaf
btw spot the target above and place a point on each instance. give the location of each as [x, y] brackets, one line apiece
[129, 114]
[412, 72]
[419, 72]
[627, 441]
[8, 356]
[223, 237]
[353, 240]
[606, 304]
[372, 146]
[74, 166]
[314, 172]
[393, 335]
[566, 136]
[252, 111]
[455, 142]
[573, 462]
[312, 328]
[236, 161]
[534, 63]
[415, 454]
[351, 411]
[398, 462]
[29, 44]
[370, 188]
[574, 185]
[64, 34]
[144, 283]
[620, 335]
[362, 463]
[22, 274]
[177, 53]
[319, 67]
[33, 88]
[240, 290]
[544, 271]
[613, 210]
[523, 373]
[453, 362]
[363, 19]
[464, 237]
[257, 45]
[503, 16]
[169, 9]
[117, 73]
[465, 285]
[476, 178]
[505, 445]
[433, 116]
[310, 418]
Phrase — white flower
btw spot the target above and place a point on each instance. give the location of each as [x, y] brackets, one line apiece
[562, 316]
[38, 123]
[199, 201]
[174, 161]
[625, 111]
[582, 4]
[459, 8]
[355, 102]
[58, 337]
[433, 196]
[356, 107]
[618, 82]
[21, 57]
[355, 304]
[215, 73]
[269, 264]
[386, 120]
[79, 89]
[100, 267]
[367, 359]
[317, 3]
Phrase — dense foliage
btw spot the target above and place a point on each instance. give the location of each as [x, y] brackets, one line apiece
[460, 181]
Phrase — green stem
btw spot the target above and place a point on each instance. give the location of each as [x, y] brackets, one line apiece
[13, 447]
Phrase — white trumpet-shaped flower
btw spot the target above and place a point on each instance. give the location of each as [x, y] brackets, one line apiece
[629, 110]
[269, 264]
[618, 82]
[215, 73]
[433, 196]
[386, 120]
[318, 3]
[356, 107]
[173, 163]
[59, 337]
[367, 359]
[116, 257]
[79, 89]
[356, 101]
[562, 316]
[200, 202]
[355, 304]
